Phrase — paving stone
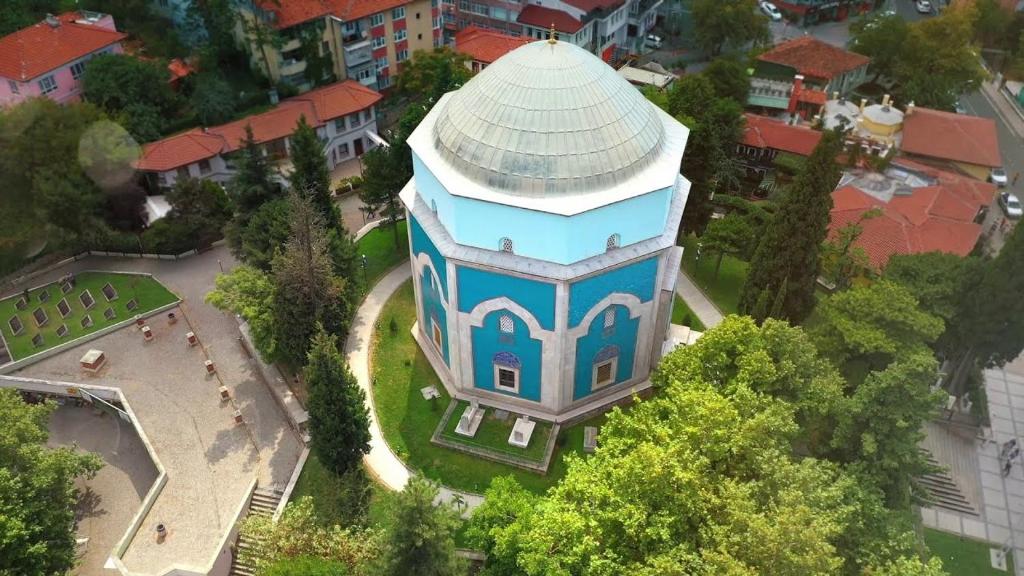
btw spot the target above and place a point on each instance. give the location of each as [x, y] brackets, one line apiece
[929, 518]
[991, 480]
[988, 464]
[949, 521]
[997, 398]
[997, 411]
[1004, 426]
[997, 516]
[993, 496]
[1016, 503]
[974, 528]
[997, 533]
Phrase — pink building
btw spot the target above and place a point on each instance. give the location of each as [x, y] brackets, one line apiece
[48, 58]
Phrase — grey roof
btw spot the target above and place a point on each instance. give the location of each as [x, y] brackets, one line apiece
[548, 119]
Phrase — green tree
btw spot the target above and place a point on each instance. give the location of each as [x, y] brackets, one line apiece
[882, 38]
[991, 24]
[319, 65]
[384, 176]
[307, 566]
[420, 535]
[18, 14]
[841, 260]
[213, 99]
[310, 176]
[723, 24]
[934, 278]
[789, 249]
[432, 73]
[731, 235]
[218, 19]
[307, 292]
[298, 537]
[265, 234]
[496, 527]
[253, 183]
[730, 78]
[339, 421]
[132, 90]
[263, 36]
[938, 62]
[37, 491]
[873, 325]
[249, 292]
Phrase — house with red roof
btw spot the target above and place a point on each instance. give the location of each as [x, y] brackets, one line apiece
[915, 209]
[48, 58]
[764, 138]
[485, 46]
[958, 142]
[604, 27]
[808, 12]
[343, 115]
[823, 66]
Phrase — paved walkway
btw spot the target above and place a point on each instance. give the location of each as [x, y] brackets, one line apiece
[709, 314]
[381, 461]
[1002, 506]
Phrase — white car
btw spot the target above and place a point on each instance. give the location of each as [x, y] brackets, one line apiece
[653, 42]
[1011, 205]
[998, 177]
[770, 10]
[924, 7]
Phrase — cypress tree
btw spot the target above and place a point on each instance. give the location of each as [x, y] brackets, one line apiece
[310, 176]
[789, 250]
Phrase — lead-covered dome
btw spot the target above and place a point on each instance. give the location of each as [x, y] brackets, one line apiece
[545, 119]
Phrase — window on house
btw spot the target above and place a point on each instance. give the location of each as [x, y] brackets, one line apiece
[367, 115]
[419, 36]
[377, 19]
[47, 84]
[400, 35]
[402, 55]
[612, 243]
[339, 124]
[183, 173]
[379, 41]
[353, 120]
[382, 63]
[436, 333]
[204, 166]
[343, 150]
[325, 48]
[506, 325]
[384, 81]
[14, 87]
[606, 364]
[603, 374]
[506, 372]
[77, 69]
[417, 15]
[398, 13]
[506, 245]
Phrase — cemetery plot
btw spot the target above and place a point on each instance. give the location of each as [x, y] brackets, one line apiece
[25, 322]
[109, 292]
[86, 299]
[40, 316]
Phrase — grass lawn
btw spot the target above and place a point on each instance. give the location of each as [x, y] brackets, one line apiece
[963, 557]
[681, 314]
[149, 293]
[399, 370]
[725, 291]
[329, 502]
[493, 435]
[381, 256]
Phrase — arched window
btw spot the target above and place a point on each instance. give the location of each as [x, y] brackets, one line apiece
[506, 325]
[506, 372]
[612, 243]
[506, 245]
[606, 366]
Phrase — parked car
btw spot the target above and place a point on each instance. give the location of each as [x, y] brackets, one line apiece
[1011, 205]
[998, 177]
[770, 10]
[959, 107]
[924, 7]
[653, 42]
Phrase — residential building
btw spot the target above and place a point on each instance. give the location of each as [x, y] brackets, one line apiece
[807, 12]
[499, 15]
[914, 209]
[533, 293]
[959, 142]
[485, 46]
[764, 138]
[774, 90]
[875, 128]
[48, 58]
[539, 21]
[365, 40]
[823, 66]
[343, 115]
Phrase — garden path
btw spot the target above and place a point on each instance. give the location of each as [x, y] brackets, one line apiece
[381, 461]
[709, 314]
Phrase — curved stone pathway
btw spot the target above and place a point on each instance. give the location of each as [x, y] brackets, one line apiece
[381, 461]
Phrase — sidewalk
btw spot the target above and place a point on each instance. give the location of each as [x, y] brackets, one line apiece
[709, 314]
[1007, 111]
[381, 461]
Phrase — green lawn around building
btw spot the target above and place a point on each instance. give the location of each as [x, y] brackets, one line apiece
[399, 369]
[723, 291]
[381, 254]
[962, 556]
[493, 435]
[684, 316]
[149, 294]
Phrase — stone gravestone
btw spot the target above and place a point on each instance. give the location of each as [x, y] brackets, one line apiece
[87, 300]
[87, 321]
[37, 340]
[16, 325]
[44, 295]
[132, 304]
[21, 303]
[589, 439]
[109, 314]
[470, 420]
[108, 292]
[63, 308]
[66, 287]
[40, 317]
[62, 330]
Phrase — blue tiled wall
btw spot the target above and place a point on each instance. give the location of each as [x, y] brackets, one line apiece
[476, 286]
[421, 243]
[623, 335]
[488, 340]
[638, 279]
[432, 308]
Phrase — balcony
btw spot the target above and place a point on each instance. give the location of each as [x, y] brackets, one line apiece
[356, 54]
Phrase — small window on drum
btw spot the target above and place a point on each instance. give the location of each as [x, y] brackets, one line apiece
[609, 322]
[612, 243]
[506, 330]
[506, 245]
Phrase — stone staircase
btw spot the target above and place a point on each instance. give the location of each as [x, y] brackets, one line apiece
[953, 449]
[944, 491]
[264, 503]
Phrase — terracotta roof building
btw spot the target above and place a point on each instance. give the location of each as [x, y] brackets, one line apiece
[485, 46]
[823, 66]
[921, 209]
[49, 57]
[342, 114]
[770, 134]
[960, 141]
[539, 19]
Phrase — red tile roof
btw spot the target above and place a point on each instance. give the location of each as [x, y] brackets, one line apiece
[764, 132]
[588, 5]
[812, 57]
[542, 17]
[317, 106]
[485, 45]
[931, 218]
[950, 136]
[356, 9]
[40, 48]
[289, 13]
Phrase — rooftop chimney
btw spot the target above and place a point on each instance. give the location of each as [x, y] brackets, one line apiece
[910, 108]
[794, 97]
[885, 100]
[863, 103]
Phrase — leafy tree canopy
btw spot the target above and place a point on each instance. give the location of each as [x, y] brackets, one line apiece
[420, 535]
[721, 24]
[133, 90]
[249, 292]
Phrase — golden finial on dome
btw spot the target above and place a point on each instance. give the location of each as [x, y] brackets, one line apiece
[551, 34]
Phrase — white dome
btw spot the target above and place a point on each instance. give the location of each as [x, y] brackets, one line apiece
[548, 119]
